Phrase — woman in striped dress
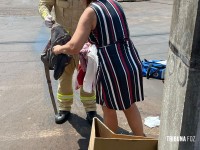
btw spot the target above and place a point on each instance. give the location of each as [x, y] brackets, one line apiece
[119, 77]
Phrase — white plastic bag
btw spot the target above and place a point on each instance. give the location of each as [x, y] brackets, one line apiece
[152, 121]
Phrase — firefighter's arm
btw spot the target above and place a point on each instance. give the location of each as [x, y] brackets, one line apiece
[45, 7]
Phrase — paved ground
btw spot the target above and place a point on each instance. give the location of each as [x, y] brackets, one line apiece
[26, 114]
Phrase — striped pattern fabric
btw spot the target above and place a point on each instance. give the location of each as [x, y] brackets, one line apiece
[119, 76]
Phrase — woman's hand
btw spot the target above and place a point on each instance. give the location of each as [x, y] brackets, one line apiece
[57, 49]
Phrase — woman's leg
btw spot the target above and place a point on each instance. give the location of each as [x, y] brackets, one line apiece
[110, 118]
[134, 120]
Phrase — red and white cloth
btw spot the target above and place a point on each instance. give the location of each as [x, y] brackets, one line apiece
[86, 76]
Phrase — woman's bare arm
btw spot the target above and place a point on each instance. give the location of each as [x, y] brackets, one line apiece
[86, 23]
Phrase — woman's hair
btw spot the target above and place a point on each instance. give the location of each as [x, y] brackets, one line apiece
[89, 1]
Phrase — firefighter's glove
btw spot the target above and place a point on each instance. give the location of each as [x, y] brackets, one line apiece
[49, 21]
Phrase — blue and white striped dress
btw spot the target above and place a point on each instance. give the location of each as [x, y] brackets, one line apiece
[119, 76]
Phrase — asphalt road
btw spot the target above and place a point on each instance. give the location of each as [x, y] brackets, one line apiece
[26, 113]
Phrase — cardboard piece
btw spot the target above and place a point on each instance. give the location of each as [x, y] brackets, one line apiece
[102, 138]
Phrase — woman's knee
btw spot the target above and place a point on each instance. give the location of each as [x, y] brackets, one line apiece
[109, 112]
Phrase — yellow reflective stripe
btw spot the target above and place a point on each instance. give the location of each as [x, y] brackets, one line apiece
[44, 10]
[67, 31]
[85, 98]
[64, 97]
[45, 14]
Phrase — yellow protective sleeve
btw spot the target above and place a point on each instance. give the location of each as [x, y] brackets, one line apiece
[45, 7]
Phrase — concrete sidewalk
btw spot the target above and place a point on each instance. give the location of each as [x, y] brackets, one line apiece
[26, 113]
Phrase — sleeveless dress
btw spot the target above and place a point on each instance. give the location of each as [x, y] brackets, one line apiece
[119, 77]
